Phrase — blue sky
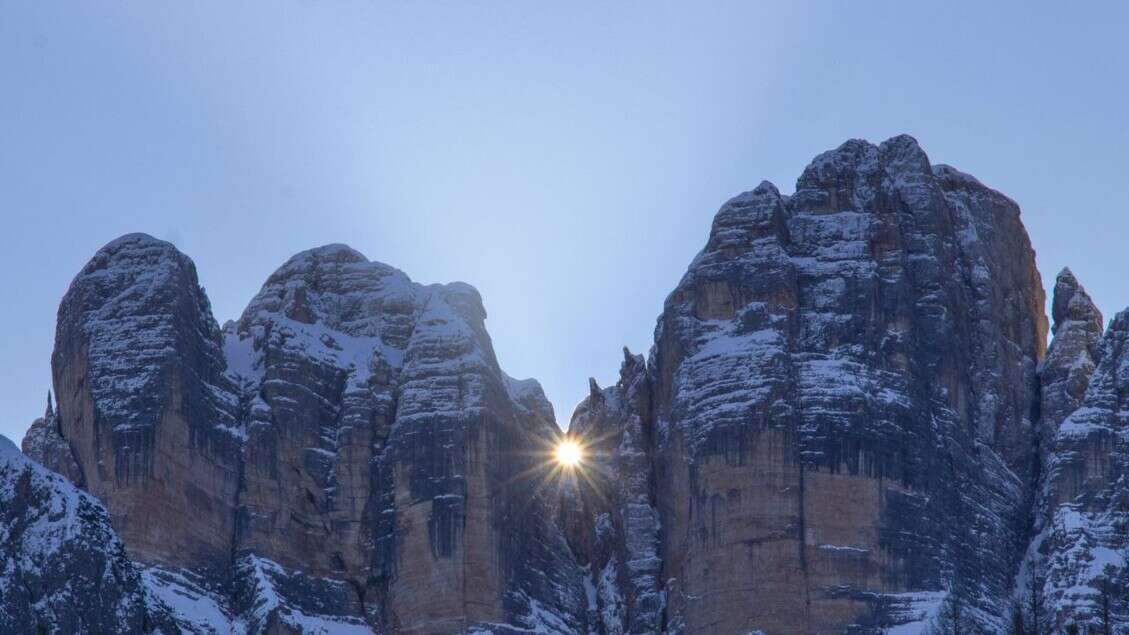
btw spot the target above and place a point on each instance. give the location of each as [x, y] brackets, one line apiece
[565, 160]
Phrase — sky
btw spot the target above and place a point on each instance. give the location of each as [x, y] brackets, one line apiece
[565, 159]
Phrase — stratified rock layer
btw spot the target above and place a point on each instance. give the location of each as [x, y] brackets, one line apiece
[384, 448]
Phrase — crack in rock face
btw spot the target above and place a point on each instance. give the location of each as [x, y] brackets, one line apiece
[849, 422]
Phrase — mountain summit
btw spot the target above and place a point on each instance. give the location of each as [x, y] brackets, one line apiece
[849, 422]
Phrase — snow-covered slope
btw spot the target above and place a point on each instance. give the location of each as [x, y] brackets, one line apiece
[62, 569]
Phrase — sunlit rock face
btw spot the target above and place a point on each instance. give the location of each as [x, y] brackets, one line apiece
[346, 456]
[842, 403]
[1078, 562]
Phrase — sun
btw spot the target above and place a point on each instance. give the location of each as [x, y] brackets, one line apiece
[568, 453]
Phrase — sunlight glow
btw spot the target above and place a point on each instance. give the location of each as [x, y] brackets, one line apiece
[568, 453]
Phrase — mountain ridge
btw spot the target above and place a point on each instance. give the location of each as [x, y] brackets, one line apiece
[849, 421]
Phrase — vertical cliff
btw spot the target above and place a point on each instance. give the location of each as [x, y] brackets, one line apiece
[611, 515]
[843, 403]
[1077, 570]
[144, 405]
[384, 447]
[348, 454]
[848, 423]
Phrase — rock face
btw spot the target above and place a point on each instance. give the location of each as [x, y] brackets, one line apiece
[144, 404]
[347, 455]
[383, 445]
[44, 442]
[1078, 569]
[1065, 373]
[62, 569]
[839, 409]
[612, 520]
[846, 424]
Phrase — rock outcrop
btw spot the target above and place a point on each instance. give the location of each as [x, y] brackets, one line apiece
[383, 448]
[1071, 358]
[843, 395]
[348, 454]
[44, 443]
[1079, 567]
[144, 404]
[62, 569]
[610, 514]
[848, 423]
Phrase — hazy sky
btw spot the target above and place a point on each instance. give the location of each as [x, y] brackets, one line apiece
[567, 161]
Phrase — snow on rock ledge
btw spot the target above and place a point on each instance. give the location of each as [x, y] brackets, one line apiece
[62, 569]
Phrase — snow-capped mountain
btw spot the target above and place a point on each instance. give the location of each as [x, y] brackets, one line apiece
[838, 413]
[849, 422]
[345, 456]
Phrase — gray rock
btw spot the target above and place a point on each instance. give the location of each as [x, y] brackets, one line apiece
[144, 405]
[1079, 562]
[62, 569]
[612, 520]
[843, 393]
[846, 424]
[322, 463]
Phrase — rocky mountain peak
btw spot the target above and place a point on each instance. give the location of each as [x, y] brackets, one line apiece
[1071, 303]
[845, 343]
[321, 462]
[1080, 556]
[1073, 354]
[334, 285]
[846, 422]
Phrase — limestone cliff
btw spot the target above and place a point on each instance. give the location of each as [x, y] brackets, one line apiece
[846, 424]
[347, 455]
[842, 404]
[1077, 569]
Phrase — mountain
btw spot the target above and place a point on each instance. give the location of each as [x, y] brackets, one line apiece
[1078, 569]
[347, 455]
[838, 414]
[849, 422]
[62, 569]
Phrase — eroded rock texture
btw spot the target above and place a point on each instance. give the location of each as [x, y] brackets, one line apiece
[842, 405]
[347, 455]
[612, 519]
[144, 404]
[62, 569]
[846, 424]
[383, 449]
[1079, 557]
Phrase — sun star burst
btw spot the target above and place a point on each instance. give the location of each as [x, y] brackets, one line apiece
[568, 453]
